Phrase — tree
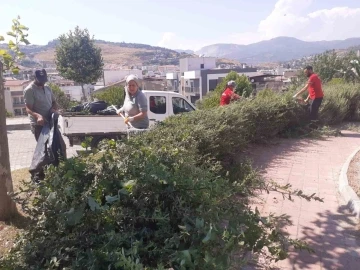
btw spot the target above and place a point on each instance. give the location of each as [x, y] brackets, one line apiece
[78, 59]
[327, 65]
[61, 99]
[114, 95]
[8, 60]
[243, 88]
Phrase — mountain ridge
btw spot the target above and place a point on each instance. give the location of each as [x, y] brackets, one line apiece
[275, 50]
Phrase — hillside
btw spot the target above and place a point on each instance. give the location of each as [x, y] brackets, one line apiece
[114, 54]
[275, 50]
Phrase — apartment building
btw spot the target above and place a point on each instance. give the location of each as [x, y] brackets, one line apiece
[14, 96]
[198, 76]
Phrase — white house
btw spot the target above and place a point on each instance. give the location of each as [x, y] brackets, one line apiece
[113, 76]
[14, 96]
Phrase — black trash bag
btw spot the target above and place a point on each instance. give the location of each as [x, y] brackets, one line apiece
[108, 111]
[50, 149]
[78, 108]
[96, 106]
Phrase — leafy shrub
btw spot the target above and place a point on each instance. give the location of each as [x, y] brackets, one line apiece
[175, 197]
[341, 103]
[114, 95]
[243, 88]
[336, 81]
[9, 114]
[61, 99]
[142, 207]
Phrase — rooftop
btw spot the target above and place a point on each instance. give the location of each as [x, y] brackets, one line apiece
[9, 83]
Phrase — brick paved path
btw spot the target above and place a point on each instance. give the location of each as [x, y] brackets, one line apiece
[22, 145]
[314, 167]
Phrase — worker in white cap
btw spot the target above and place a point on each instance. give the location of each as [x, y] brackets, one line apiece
[229, 94]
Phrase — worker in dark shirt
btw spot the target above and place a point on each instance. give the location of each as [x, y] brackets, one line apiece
[228, 95]
[316, 93]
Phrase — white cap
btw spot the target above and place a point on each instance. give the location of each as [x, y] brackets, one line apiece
[231, 83]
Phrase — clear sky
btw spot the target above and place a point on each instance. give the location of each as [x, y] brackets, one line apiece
[186, 24]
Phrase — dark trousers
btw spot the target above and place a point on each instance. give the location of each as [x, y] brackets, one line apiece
[37, 131]
[314, 108]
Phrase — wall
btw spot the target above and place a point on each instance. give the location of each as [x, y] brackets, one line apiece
[8, 102]
[207, 75]
[189, 64]
[75, 92]
[113, 76]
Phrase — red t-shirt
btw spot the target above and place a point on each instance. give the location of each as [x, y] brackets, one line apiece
[314, 88]
[226, 97]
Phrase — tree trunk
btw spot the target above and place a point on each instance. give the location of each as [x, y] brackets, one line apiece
[7, 206]
[83, 92]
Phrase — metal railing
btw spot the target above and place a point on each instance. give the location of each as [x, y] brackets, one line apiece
[195, 90]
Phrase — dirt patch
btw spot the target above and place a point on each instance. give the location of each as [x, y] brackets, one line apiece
[353, 174]
[10, 229]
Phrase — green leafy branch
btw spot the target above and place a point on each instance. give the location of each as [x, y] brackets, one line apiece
[18, 36]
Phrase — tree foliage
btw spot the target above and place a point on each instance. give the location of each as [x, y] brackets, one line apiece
[330, 65]
[78, 59]
[62, 100]
[17, 36]
[114, 95]
[243, 88]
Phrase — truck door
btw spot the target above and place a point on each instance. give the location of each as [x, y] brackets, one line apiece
[158, 107]
[180, 105]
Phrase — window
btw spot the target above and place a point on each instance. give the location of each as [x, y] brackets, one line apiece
[18, 100]
[180, 105]
[17, 111]
[157, 104]
[201, 66]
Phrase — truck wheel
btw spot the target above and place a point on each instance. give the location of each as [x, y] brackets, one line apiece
[96, 140]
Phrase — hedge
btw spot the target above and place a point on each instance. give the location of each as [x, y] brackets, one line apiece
[175, 197]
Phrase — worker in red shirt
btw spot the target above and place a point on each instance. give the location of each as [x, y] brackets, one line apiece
[228, 95]
[316, 93]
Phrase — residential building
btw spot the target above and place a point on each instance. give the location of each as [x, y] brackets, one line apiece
[14, 96]
[156, 84]
[113, 76]
[74, 92]
[198, 76]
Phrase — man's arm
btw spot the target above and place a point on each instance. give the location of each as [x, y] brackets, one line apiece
[302, 90]
[38, 117]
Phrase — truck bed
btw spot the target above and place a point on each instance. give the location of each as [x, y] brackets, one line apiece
[72, 125]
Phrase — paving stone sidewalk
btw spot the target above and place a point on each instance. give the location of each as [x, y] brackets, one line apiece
[22, 145]
[313, 166]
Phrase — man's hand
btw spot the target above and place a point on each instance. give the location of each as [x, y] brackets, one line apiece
[39, 120]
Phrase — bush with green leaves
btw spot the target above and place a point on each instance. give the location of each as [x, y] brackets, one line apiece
[341, 103]
[9, 114]
[138, 206]
[114, 95]
[176, 197]
[62, 100]
[212, 99]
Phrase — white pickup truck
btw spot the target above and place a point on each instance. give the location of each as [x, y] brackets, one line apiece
[161, 104]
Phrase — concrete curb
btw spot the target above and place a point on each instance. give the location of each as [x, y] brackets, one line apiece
[18, 127]
[351, 198]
